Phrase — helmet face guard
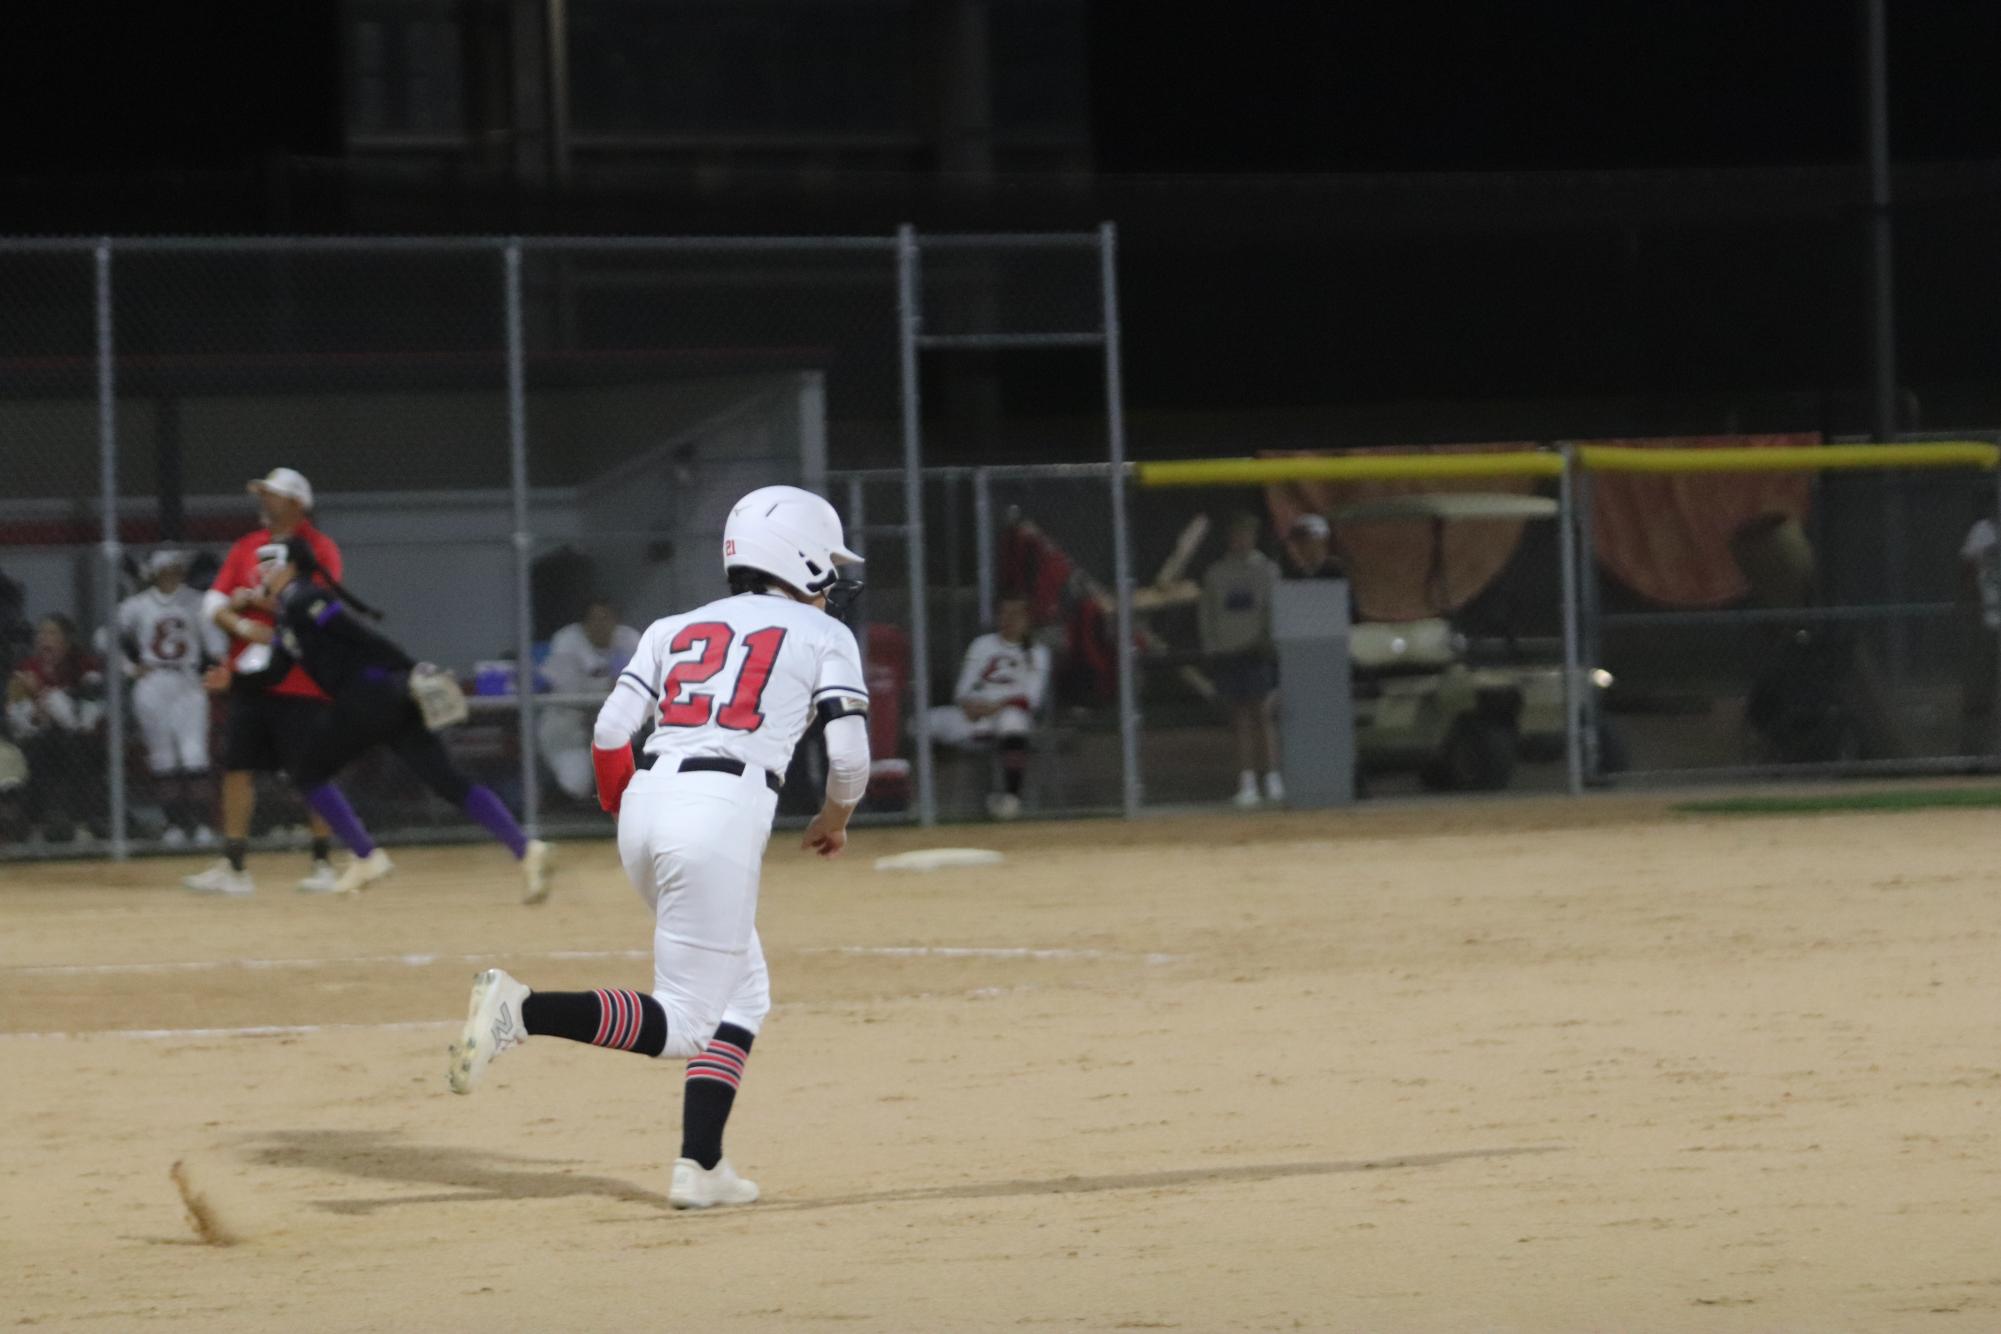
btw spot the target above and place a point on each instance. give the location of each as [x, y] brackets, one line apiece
[845, 590]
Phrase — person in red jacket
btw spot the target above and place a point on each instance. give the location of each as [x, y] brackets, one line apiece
[266, 730]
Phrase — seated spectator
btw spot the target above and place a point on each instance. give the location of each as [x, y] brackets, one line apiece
[584, 659]
[54, 710]
[1235, 621]
[1310, 550]
[1000, 690]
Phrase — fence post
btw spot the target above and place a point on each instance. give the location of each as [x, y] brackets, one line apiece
[858, 543]
[1590, 649]
[955, 622]
[909, 321]
[112, 553]
[1992, 742]
[524, 603]
[1122, 560]
[983, 540]
[1573, 680]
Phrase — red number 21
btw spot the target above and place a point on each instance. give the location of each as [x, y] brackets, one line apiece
[741, 713]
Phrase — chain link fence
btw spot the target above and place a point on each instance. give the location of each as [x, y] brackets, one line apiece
[524, 452]
[662, 381]
[55, 737]
[1039, 537]
[379, 376]
[1857, 632]
[1457, 594]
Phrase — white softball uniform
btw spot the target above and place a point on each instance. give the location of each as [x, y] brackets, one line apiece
[165, 634]
[996, 671]
[733, 685]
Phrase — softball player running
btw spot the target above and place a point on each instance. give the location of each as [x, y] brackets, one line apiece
[378, 695]
[733, 686]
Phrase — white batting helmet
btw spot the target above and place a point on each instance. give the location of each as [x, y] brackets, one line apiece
[788, 534]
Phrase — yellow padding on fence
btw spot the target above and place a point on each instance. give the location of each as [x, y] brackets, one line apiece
[1348, 468]
[1789, 458]
[1594, 458]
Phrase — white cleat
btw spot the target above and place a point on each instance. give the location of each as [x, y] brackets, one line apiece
[1274, 787]
[363, 872]
[1004, 806]
[538, 863]
[322, 879]
[220, 878]
[696, 1187]
[205, 837]
[173, 836]
[493, 1024]
[1247, 794]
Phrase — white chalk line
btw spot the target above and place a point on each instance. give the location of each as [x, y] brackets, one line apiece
[152, 967]
[248, 1031]
[387, 1026]
[357, 961]
[993, 952]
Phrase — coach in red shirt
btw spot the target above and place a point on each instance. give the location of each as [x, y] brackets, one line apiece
[267, 729]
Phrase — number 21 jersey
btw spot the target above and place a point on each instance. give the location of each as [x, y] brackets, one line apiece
[743, 676]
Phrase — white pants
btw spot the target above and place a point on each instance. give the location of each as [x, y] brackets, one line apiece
[172, 709]
[564, 737]
[951, 727]
[693, 846]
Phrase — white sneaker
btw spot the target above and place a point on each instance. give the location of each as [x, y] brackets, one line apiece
[174, 837]
[322, 879]
[1274, 787]
[220, 878]
[696, 1187]
[204, 836]
[493, 1024]
[537, 863]
[362, 872]
[1247, 791]
[1004, 806]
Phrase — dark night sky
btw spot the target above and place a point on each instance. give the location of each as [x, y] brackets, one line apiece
[109, 85]
[1258, 85]
[1534, 85]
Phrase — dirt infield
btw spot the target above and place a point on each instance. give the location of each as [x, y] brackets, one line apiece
[1512, 1065]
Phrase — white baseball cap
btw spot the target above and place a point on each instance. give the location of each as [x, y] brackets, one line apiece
[1310, 525]
[285, 482]
[166, 560]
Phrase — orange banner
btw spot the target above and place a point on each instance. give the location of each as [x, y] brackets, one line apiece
[1405, 570]
[1667, 537]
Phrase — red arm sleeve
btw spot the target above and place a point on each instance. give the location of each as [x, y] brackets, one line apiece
[614, 769]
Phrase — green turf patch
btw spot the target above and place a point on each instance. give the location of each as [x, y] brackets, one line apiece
[1907, 799]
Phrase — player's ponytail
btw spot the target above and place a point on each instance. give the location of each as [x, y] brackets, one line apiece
[299, 554]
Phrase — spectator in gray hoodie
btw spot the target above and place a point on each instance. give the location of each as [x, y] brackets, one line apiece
[1236, 634]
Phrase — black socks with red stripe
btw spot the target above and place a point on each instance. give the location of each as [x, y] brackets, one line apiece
[621, 1019]
[630, 1021]
[711, 1090]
